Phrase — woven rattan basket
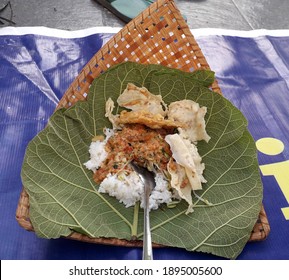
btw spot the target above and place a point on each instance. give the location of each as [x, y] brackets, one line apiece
[159, 35]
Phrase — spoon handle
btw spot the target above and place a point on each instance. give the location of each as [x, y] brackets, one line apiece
[147, 240]
[149, 183]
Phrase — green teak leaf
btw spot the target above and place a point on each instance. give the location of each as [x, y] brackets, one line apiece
[64, 197]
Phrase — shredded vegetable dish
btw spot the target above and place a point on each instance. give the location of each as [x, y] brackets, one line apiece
[134, 142]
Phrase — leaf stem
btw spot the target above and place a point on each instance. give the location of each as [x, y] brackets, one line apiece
[135, 220]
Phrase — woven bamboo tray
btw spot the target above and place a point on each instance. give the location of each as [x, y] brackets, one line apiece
[159, 35]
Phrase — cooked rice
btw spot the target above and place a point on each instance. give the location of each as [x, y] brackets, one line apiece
[129, 189]
[97, 152]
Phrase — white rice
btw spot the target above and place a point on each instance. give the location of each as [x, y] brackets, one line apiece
[160, 193]
[97, 152]
[125, 188]
[129, 189]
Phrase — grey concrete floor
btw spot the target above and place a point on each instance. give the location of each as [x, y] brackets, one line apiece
[79, 14]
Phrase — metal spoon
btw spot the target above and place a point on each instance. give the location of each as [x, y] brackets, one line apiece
[148, 179]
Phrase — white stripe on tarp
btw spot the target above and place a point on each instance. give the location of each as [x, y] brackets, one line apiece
[200, 32]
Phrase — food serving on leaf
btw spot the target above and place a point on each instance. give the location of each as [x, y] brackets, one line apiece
[161, 137]
[161, 128]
